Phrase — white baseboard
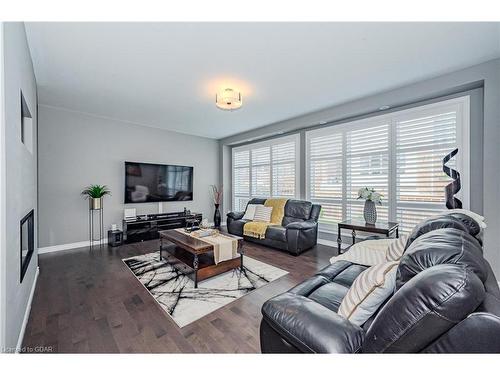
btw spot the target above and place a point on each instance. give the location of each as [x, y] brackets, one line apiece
[27, 313]
[66, 246]
[76, 245]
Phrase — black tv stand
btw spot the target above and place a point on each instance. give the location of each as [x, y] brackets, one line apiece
[146, 227]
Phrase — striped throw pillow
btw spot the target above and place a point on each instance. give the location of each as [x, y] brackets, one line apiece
[263, 214]
[396, 248]
[368, 291]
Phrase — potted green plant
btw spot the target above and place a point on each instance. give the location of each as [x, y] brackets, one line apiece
[94, 194]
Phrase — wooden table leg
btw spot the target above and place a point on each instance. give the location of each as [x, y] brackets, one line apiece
[397, 232]
[195, 266]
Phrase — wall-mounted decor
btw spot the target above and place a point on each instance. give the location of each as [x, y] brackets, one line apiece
[27, 228]
[26, 125]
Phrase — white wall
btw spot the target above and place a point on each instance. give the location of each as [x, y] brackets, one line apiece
[76, 150]
[20, 175]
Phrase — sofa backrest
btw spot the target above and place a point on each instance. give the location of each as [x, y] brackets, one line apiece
[440, 281]
[433, 223]
[295, 210]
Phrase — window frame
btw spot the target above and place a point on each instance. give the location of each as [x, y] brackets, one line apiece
[268, 143]
[460, 104]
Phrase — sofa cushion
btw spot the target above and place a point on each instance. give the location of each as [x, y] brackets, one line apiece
[433, 223]
[310, 327]
[257, 201]
[442, 246]
[329, 286]
[470, 223]
[330, 295]
[276, 233]
[296, 210]
[236, 226]
[424, 308]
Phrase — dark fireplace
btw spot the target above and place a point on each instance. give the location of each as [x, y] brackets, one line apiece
[27, 241]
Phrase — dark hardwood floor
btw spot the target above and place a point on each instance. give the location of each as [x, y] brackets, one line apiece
[91, 303]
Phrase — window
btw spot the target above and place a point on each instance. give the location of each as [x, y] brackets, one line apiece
[400, 155]
[265, 169]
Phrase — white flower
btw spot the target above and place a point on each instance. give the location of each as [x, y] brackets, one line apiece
[376, 197]
[370, 194]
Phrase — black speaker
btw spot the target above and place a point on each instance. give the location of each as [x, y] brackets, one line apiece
[115, 238]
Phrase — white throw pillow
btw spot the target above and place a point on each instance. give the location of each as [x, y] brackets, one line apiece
[250, 211]
[367, 253]
[263, 214]
[368, 291]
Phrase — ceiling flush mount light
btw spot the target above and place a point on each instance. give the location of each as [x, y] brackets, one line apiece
[228, 100]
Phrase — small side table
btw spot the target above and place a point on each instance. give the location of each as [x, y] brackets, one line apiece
[382, 227]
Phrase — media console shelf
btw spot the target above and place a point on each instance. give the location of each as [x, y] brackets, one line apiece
[146, 227]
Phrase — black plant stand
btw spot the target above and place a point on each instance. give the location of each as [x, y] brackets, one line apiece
[99, 241]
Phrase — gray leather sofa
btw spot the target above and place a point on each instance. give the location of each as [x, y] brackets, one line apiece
[297, 233]
[447, 300]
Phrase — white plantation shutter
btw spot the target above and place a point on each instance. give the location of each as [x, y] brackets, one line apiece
[265, 169]
[325, 161]
[283, 173]
[241, 179]
[367, 160]
[399, 155]
[422, 140]
[261, 172]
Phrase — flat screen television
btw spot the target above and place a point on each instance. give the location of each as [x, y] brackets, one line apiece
[145, 182]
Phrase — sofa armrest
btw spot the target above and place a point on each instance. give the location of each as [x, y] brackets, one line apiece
[311, 327]
[235, 215]
[302, 225]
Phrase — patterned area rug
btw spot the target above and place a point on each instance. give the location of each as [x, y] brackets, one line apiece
[176, 294]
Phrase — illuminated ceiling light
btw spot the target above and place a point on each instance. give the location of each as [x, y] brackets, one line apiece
[228, 100]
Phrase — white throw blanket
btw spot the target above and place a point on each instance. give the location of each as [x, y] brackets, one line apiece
[225, 248]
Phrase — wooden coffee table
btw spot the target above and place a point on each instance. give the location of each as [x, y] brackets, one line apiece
[193, 256]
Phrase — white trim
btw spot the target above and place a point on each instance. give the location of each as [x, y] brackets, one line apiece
[67, 246]
[27, 312]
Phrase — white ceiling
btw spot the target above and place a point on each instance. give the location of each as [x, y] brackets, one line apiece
[165, 75]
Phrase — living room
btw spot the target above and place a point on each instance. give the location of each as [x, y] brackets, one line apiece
[165, 191]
